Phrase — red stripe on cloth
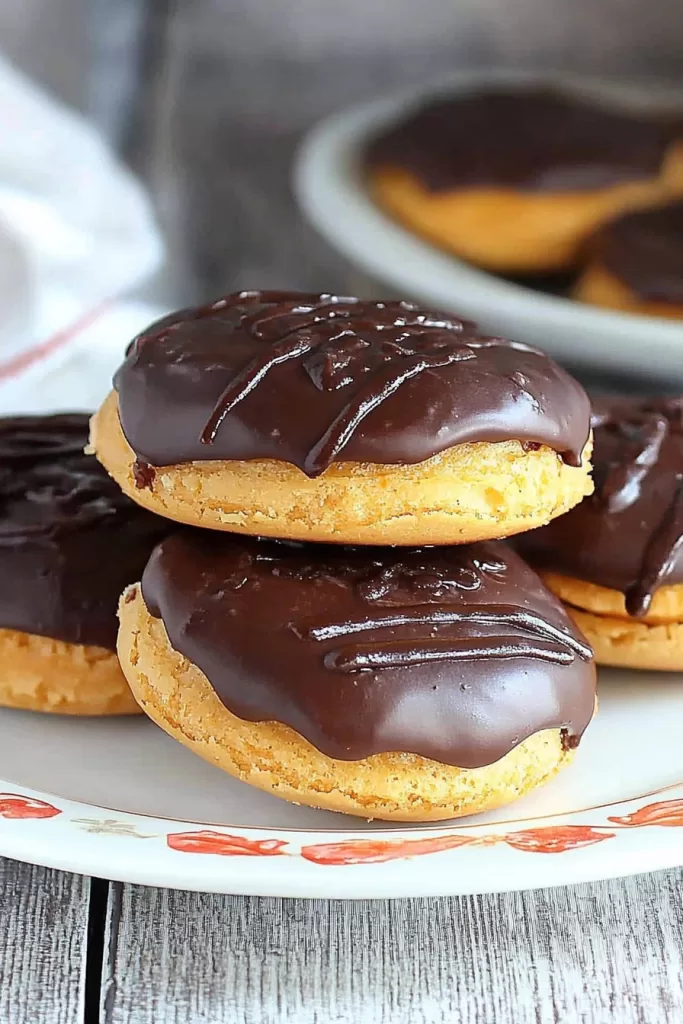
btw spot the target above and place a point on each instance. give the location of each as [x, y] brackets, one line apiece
[17, 364]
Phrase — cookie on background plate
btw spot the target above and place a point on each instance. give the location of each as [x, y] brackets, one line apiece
[405, 684]
[319, 418]
[70, 542]
[636, 264]
[515, 181]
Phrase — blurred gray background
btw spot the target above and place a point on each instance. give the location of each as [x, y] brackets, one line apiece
[207, 99]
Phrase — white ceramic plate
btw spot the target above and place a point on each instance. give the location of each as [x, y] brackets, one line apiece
[121, 800]
[330, 189]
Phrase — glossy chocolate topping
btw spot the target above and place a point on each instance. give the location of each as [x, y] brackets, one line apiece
[535, 140]
[316, 379]
[644, 250]
[454, 653]
[70, 542]
[628, 534]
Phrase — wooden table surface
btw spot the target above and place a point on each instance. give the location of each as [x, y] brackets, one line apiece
[75, 950]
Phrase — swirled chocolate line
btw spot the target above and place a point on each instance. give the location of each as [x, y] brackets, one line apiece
[543, 641]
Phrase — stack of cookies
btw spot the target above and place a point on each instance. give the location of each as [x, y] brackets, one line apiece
[337, 620]
[304, 514]
[306, 511]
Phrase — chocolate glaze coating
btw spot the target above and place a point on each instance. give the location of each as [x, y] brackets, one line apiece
[456, 653]
[536, 140]
[70, 541]
[644, 250]
[628, 534]
[316, 379]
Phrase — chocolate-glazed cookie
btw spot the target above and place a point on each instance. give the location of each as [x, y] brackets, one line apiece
[516, 180]
[324, 418]
[533, 139]
[627, 535]
[618, 556]
[636, 264]
[417, 662]
[317, 379]
[70, 542]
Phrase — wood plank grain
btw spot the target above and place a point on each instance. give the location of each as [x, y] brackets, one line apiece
[593, 953]
[42, 945]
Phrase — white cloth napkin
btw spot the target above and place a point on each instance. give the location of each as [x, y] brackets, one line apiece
[78, 376]
[76, 234]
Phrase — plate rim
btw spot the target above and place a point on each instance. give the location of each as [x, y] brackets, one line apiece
[615, 840]
[327, 185]
[572, 847]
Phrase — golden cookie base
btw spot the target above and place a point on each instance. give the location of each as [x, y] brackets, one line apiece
[469, 493]
[598, 287]
[653, 642]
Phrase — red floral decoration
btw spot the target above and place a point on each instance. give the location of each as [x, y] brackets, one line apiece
[371, 851]
[14, 806]
[667, 812]
[555, 839]
[224, 845]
